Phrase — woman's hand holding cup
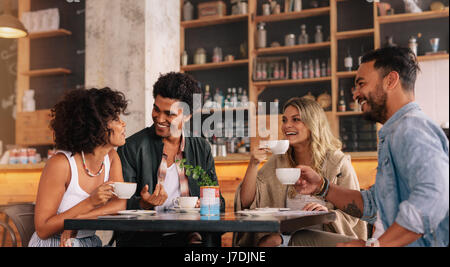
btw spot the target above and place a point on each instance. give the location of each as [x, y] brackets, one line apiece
[102, 194]
[258, 155]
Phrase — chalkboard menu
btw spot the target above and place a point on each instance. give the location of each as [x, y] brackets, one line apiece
[8, 68]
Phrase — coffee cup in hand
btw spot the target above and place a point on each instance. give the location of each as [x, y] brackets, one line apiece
[276, 146]
[288, 176]
[124, 190]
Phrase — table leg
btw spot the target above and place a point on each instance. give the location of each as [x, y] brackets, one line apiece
[212, 239]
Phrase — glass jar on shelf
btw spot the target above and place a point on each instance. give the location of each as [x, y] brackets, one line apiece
[261, 41]
[318, 37]
[303, 38]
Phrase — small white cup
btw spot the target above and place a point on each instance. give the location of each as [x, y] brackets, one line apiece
[124, 190]
[288, 176]
[278, 146]
[185, 202]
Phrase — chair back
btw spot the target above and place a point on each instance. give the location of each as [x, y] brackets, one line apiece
[22, 216]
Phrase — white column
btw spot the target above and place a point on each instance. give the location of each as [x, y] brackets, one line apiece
[162, 45]
[115, 52]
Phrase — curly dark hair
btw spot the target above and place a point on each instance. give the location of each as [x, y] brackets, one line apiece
[80, 119]
[179, 86]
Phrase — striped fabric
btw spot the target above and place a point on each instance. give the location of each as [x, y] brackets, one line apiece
[54, 241]
[184, 185]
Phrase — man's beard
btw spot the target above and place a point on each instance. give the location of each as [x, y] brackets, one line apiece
[377, 102]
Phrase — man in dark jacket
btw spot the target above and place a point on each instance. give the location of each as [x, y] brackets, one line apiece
[150, 159]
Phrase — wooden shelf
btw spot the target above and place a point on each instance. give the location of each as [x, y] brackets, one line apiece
[212, 110]
[47, 72]
[348, 113]
[213, 21]
[235, 157]
[354, 34]
[48, 34]
[346, 74]
[209, 66]
[432, 57]
[313, 12]
[413, 16]
[290, 82]
[293, 49]
[26, 167]
[363, 155]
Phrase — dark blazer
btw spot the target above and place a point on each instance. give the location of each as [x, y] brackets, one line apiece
[141, 157]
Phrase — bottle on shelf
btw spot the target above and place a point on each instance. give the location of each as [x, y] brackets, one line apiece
[270, 71]
[264, 71]
[311, 69]
[323, 69]
[234, 98]
[342, 107]
[303, 38]
[213, 143]
[184, 58]
[282, 72]
[294, 71]
[318, 37]
[412, 44]
[329, 67]
[259, 71]
[228, 99]
[239, 94]
[348, 61]
[244, 99]
[361, 56]
[305, 70]
[207, 99]
[299, 70]
[317, 68]
[389, 41]
[276, 72]
[218, 98]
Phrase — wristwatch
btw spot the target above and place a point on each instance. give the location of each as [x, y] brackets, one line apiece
[372, 242]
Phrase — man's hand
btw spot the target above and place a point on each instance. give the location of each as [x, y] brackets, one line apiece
[158, 197]
[309, 182]
[356, 243]
[272, 240]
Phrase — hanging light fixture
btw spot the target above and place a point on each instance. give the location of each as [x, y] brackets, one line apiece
[10, 26]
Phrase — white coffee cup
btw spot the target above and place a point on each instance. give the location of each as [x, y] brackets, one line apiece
[185, 202]
[288, 176]
[278, 146]
[124, 190]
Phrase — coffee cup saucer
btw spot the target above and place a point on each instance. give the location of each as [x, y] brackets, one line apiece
[185, 210]
[137, 212]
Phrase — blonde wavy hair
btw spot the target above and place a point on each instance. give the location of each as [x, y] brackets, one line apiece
[321, 140]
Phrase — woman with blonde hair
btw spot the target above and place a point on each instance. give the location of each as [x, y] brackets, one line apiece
[311, 143]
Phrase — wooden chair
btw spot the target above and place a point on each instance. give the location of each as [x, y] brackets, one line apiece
[22, 215]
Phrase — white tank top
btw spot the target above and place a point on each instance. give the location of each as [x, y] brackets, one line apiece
[74, 193]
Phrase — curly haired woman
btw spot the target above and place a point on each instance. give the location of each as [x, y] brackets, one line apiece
[76, 182]
[311, 143]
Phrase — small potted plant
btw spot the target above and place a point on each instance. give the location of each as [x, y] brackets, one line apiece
[209, 189]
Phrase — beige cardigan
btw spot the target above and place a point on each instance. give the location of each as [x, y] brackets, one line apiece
[271, 193]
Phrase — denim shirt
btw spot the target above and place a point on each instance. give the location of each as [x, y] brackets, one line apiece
[412, 182]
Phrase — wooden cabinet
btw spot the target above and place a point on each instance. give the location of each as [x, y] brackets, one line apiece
[49, 63]
[347, 25]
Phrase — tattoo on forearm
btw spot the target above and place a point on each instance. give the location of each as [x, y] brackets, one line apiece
[353, 210]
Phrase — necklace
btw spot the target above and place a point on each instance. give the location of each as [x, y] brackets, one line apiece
[86, 168]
